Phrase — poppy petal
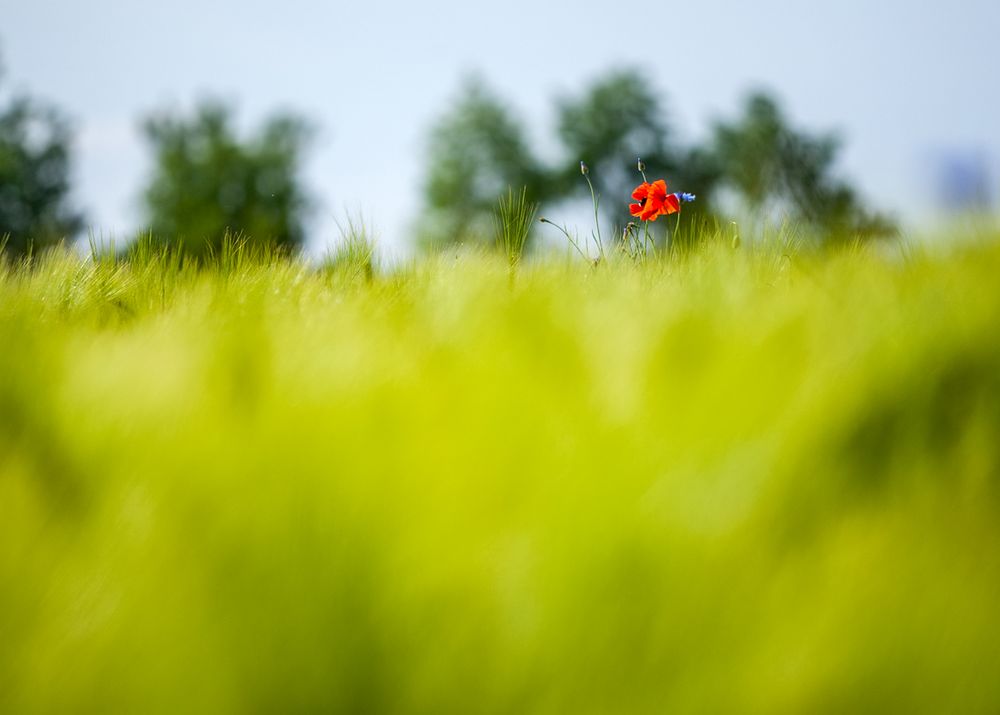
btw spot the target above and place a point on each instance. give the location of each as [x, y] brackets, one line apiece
[641, 191]
[635, 209]
[671, 205]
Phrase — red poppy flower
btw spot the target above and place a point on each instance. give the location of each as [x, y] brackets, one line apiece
[654, 201]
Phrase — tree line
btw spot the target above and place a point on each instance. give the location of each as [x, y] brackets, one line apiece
[207, 179]
[755, 164]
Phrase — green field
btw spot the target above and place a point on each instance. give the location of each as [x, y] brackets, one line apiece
[750, 480]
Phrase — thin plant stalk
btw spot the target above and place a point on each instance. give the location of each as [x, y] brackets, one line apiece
[569, 238]
[597, 220]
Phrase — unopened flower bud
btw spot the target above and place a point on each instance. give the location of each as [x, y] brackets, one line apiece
[583, 169]
[641, 165]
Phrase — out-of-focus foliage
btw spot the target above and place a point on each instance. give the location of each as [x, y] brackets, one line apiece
[35, 145]
[775, 167]
[207, 180]
[732, 481]
[477, 151]
[619, 119]
[611, 123]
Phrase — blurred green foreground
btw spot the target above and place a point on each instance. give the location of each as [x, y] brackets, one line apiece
[737, 481]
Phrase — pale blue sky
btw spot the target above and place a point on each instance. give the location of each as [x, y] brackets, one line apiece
[902, 80]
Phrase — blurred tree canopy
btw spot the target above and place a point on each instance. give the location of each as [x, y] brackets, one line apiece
[477, 150]
[613, 123]
[35, 143]
[616, 120]
[207, 180]
[773, 167]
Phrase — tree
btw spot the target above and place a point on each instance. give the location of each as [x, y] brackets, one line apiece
[610, 125]
[206, 181]
[613, 123]
[34, 176]
[477, 151]
[775, 167]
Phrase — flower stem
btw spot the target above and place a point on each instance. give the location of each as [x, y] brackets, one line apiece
[568, 237]
[597, 220]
